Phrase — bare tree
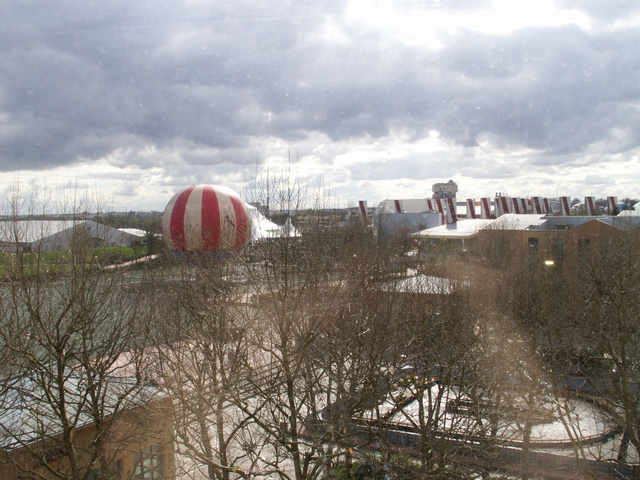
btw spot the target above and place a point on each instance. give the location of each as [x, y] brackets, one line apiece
[307, 328]
[608, 286]
[74, 384]
[535, 343]
[202, 353]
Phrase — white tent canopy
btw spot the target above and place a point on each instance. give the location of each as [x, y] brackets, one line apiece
[262, 228]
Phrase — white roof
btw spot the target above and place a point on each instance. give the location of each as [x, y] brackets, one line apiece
[512, 221]
[461, 229]
[32, 231]
[630, 213]
[26, 415]
[52, 235]
[469, 227]
[133, 231]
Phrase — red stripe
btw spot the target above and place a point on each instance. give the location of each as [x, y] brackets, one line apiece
[505, 205]
[516, 206]
[471, 208]
[536, 205]
[453, 216]
[242, 225]
[176, 224]
[484, 208]
[210, 219]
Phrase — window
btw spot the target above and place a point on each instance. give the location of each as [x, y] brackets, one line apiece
[557, 246]
[533, 245]
[583, 245]
[148, 463]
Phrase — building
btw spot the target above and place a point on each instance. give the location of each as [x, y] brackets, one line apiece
[57, 235]
[404, 217]
[534, 236]
[134, 440]
[456, 234]
[445, 190]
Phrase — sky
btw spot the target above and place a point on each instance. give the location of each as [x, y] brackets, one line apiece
[359, 99]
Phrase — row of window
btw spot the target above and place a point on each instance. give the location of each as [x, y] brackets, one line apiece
[557, 245]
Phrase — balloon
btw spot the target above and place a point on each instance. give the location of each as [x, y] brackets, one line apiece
[204, 218]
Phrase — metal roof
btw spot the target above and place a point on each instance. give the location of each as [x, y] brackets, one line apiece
[32, 231]
[512, 221]
[462, 229]
[29, 231]
[27, 416]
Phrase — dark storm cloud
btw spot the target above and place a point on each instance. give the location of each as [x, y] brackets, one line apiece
[556, 91]
[77, 77]
[80, 81]
[354, 90]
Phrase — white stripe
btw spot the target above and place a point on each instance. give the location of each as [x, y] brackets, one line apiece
[227, 220]
[166, 220]
[193, 219]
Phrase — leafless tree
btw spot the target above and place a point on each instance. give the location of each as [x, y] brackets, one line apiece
[608, 285]
[201, 351]
[541, 316]
[73, 377]
[311, 322]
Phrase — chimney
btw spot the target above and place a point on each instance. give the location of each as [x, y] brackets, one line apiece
[524, 206]
[590, 205]
[430, 206]
[485, 208]
[471, 208]
[440, 209]
[498, 206]
[452, 216]
[537, 205]
[502, 206]
[363, 212]
[515, 202]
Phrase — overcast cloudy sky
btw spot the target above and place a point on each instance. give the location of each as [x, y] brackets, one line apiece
[370, 99]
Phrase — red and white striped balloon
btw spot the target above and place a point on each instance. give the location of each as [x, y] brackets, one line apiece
[205, 218]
